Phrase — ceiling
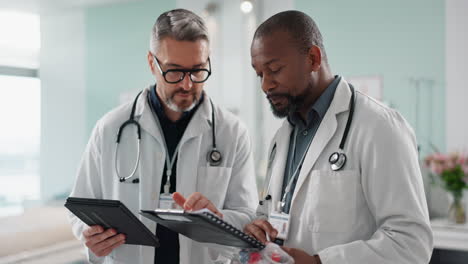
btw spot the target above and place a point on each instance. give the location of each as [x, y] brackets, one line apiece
[47, 6]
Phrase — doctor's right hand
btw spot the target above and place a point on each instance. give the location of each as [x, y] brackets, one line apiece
[194, 202]
[259, 229]
[101, 242]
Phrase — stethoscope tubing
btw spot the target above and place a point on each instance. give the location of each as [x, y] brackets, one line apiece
[130, 121]
[333, 166]
[214, 156]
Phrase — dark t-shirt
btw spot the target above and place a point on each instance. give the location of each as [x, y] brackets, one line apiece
[168, 252]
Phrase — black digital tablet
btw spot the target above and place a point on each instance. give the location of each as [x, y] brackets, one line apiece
[202, 226]
[112, 214]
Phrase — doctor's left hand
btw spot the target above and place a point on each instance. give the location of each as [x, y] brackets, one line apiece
[196, 201]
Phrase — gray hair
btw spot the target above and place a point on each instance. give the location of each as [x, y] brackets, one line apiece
[180, 24]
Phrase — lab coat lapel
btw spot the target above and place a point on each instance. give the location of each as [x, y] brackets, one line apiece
[146, 118]
[190, 146]
[279, 163]
[201, 121]
[325, 132]
[187, 163]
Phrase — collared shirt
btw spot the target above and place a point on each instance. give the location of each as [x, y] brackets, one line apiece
[305, 132]
[168, 252]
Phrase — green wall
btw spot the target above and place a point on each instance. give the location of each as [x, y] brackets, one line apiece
[117, 39]
[397, 40]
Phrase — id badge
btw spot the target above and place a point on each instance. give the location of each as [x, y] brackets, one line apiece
[166, 202]
[280, 221]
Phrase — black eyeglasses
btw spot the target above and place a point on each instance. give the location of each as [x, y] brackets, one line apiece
[177, 75]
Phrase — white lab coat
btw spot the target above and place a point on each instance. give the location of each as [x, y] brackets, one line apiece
[373, 210]
[230, 186]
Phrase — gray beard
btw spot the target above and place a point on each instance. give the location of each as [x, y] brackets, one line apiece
[176, 108]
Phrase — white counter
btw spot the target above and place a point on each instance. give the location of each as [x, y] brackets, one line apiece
[449, 236]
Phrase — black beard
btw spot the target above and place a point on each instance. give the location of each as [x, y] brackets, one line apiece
[294, 104]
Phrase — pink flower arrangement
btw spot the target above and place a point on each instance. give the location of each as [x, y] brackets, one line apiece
[452, 169]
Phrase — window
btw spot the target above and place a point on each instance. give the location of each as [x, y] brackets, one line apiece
[20, 99]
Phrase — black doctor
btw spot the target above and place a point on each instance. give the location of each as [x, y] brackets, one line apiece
[324, 208]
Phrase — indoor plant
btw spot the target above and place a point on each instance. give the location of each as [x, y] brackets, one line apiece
[451, 171]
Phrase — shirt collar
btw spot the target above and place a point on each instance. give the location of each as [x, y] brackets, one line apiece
[320, 106]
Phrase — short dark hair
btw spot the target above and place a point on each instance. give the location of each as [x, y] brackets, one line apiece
[300, 26]
[180, 24]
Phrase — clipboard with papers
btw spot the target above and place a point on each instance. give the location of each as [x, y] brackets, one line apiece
[112, 214]
[202, 226]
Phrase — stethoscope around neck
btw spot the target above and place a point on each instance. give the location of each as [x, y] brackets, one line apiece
[214, 156]
[337, 159]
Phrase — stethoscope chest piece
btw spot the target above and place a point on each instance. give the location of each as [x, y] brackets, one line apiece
[136, 180]
[337, 161]
[214, 157]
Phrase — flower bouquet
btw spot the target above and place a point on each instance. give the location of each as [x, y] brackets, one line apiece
[451, 171]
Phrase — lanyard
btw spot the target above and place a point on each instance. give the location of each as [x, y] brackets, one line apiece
[287, 190]
[169, 160]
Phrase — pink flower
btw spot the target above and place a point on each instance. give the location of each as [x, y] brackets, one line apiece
[434, 158]
[437, 168]
[448, 165]
[462, 160]
[465, 170]
[440, 157]
[439, 162]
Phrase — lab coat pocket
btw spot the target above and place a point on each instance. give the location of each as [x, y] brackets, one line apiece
[128, 194]
[333, 201]
[213, 182]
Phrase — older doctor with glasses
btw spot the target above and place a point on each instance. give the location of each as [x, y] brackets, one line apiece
[193, 153]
